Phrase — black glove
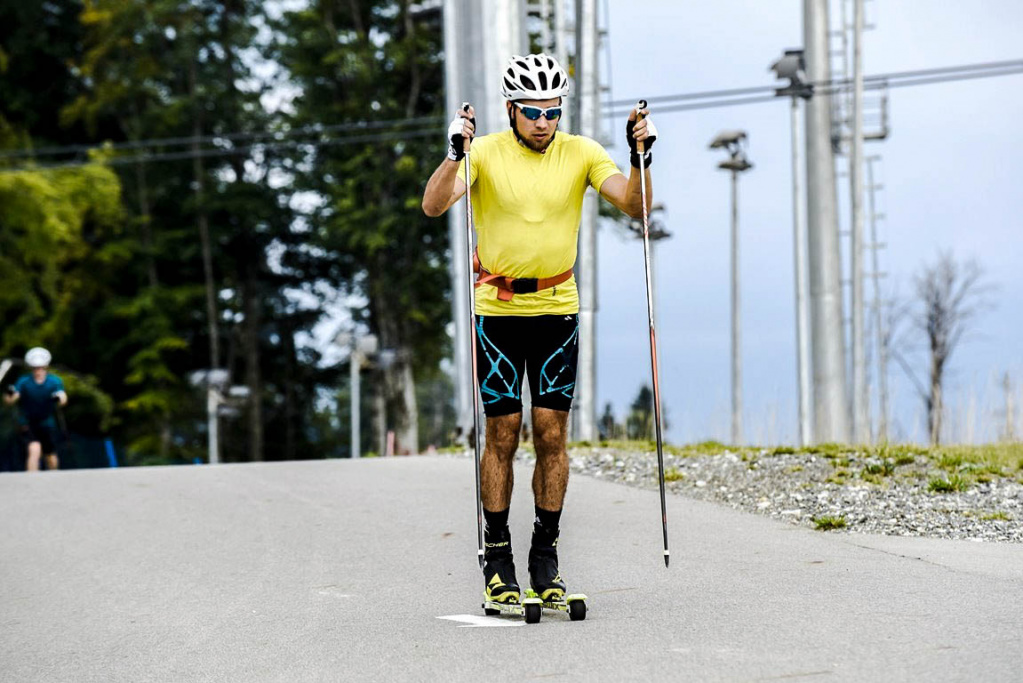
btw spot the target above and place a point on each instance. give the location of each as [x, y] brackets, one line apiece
[647, 144]
[10, 390]
[55, 397]
[456, 141]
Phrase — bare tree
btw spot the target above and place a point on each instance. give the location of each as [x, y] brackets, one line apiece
[950, 293]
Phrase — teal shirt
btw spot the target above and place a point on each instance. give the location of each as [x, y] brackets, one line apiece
[36, 400]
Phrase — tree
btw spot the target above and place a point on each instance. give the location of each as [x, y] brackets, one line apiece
[950, 295]
[360, 64]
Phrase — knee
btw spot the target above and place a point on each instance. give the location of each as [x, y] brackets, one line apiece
[503, 435]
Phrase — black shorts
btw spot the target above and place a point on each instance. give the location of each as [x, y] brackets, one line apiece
[41, 432]
[508, 347]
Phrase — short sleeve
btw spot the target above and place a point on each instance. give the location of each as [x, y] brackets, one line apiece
[58, 383]
[601, 166]
[19, 385]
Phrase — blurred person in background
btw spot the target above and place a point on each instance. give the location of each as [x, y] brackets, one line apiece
[38, 395]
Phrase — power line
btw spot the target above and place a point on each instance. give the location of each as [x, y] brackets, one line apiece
[689, 102]
[213, 138]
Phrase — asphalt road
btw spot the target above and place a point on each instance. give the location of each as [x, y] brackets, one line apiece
[344, 571]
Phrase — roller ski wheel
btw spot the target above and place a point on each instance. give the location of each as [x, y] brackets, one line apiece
[531, 608]
[574, 604]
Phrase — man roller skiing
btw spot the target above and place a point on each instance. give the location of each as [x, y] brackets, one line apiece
[38, 394]
[528, 184]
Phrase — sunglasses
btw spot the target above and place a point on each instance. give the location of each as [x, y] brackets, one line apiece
[534, 113]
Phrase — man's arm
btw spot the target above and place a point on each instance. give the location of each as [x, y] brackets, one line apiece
[443, 190]
[624, 193]
[445, 187]
[11, 395]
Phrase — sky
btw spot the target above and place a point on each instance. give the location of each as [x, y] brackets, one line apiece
[951, 169]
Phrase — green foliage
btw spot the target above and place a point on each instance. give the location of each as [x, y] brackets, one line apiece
[829, 522]
[674, 474]
[951, 484]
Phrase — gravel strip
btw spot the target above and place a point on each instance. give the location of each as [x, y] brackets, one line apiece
[867, 494]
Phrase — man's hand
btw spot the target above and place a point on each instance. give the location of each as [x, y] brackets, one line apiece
[9, 390]
[461, 128]
[640, 128]
[59, 397]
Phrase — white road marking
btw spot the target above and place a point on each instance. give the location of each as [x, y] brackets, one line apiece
[476, 621]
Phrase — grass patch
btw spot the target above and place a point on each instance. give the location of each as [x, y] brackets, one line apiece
[952, 484]
[673, 474]
[839, 477]
[828, 522]
[997, 517]
[885, 468]
[783, 450]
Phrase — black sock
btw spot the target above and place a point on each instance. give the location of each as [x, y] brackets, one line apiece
[545, 526]
[496, 523]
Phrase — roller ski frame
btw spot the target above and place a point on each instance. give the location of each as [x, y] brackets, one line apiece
[531, 607]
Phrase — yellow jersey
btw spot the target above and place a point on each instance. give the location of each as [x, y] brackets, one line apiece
[527, 207]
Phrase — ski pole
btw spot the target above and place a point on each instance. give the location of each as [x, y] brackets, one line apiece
[653, 336]
[472, 343]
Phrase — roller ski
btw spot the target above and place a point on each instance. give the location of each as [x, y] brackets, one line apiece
[545, 580]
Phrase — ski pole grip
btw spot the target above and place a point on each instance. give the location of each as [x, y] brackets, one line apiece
[466, 142]
[640, 106]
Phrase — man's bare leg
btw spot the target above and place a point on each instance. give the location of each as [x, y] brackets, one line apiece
[496, 474]
[550, 480]
[496, 480]
[35, 452]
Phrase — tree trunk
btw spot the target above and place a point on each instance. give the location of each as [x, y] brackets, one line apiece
[203, 222]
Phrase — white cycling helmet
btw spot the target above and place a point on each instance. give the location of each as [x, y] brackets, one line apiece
[534, 77]
[38, 357]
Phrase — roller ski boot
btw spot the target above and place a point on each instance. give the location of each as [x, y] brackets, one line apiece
[501, 593]
[546, 583]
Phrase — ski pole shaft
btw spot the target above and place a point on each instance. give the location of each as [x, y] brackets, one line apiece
[467, 143]
[640, 148]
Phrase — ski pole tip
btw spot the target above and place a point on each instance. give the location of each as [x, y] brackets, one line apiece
[479, 553]
[667, 558]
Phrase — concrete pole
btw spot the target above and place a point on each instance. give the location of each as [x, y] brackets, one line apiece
[802, 314]
[213, 424]
[831, 416]
[736, 323]
[588, 85]
[475, 34]
[355, 363]
[879, 331]
[861, 412]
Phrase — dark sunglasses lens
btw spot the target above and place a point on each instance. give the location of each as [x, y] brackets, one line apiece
[531, 113]
[553, 113]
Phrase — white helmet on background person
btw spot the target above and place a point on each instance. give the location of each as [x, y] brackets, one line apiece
[534, 77]
[38, 357]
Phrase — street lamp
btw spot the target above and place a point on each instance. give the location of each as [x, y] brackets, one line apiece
[221, 400]
[792, 66]
[734, 142]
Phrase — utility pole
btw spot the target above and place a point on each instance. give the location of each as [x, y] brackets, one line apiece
[861, 431]
[479, 38]
[732, 141]
[588, 93]
[881, 335]
[824, 264]
[793, 67]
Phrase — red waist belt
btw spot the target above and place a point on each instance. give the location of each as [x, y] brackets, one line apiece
[508, 287]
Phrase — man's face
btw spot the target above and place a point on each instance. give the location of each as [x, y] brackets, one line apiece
[39, 374]
[539, 133]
